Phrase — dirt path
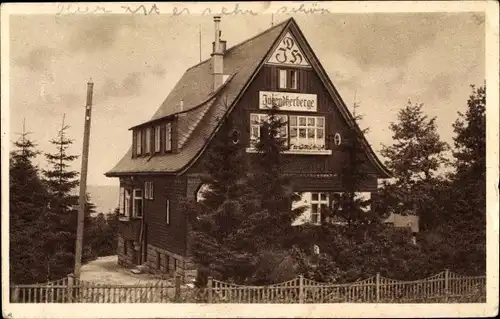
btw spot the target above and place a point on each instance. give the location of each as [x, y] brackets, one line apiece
[105, 270]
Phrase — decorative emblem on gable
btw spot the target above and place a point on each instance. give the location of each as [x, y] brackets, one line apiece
[288, 52]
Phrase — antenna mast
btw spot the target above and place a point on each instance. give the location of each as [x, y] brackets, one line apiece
[83, 180]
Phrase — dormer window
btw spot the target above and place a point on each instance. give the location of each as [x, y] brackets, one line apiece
[287, 79]
[157, 138]
[168, 137]
[138, 142]
[148, 141]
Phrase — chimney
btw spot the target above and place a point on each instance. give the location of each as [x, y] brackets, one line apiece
[218, 56]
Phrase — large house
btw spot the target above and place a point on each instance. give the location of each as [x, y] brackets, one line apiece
[166, 159]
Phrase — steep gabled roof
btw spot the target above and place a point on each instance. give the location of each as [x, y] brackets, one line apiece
[195, 89]
[203, 108]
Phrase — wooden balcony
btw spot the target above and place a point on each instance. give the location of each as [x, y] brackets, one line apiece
[130, 228]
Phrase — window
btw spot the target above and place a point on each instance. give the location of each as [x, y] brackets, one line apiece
[307, 132]
[336, 202]
[293, 79]
[138, 142]
[124, 204]
[167, 212]
[256, 121]
[121, 202]
[337, 139]
[168, 137]
[287, 79]
[235, 136]
[282, 83]
[319, 202]
[148, 190]
[148, 141]
[138, 204]
[125, 252]
[157, 138]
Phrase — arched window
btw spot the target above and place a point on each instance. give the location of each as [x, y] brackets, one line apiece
[201, 191]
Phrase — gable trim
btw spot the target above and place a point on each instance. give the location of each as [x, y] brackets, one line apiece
[325, 79]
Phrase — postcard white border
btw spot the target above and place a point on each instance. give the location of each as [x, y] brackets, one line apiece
[279, 310]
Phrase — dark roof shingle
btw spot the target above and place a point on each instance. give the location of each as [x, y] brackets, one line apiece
[202, 107]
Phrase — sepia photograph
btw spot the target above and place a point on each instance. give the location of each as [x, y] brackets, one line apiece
[282, 154]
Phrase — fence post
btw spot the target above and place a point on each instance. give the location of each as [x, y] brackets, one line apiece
[177, 287]
[15, 295]
[71, 281]
[446, 283]
[209, 287]
[377, 286]
[301, 289]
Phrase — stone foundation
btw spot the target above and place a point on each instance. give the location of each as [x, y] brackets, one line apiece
[161, 261]
[126, 252]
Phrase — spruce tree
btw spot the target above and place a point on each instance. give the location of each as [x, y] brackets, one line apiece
[226, 201]
[415, 159]
[28, 204]
[62, 181]
[466, 213]
[354, 173]
[271, 226]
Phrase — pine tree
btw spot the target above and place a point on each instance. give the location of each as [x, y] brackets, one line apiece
[28, 204]
[414, 159]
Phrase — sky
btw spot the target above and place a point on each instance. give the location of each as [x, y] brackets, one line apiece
[380, 60]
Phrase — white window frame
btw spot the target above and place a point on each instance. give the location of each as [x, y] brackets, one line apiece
[126, 203]
[282, 78]
[138, 142]
[157, 139]
[321, 202]
[307, 124]
[284, 75]
[168, 137]
[167, 212]
[148, 190]
[135, 199]
[121, 202]
[147, 143]
[255, 126]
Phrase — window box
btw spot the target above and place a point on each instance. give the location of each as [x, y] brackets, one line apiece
[297, 151]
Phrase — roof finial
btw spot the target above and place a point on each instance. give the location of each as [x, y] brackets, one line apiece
[272, 19]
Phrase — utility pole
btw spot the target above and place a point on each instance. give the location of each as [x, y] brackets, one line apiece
[199, 40]
[83, 181]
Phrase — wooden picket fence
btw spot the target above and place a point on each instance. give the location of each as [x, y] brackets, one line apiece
[299, 290]
[69, 290]
[375, 289]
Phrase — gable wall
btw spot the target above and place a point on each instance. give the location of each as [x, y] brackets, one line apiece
[308, 82]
